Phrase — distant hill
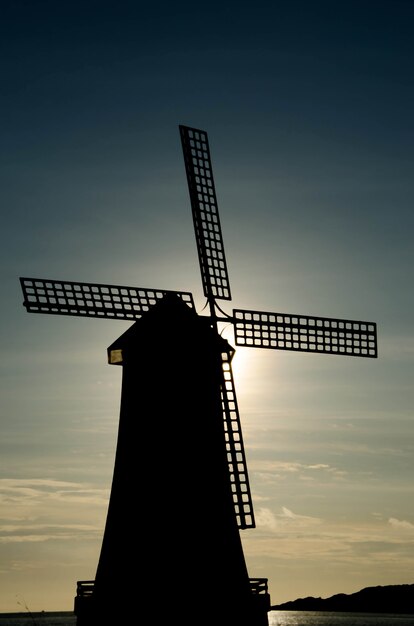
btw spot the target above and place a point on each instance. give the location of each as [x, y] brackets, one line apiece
[388, 599]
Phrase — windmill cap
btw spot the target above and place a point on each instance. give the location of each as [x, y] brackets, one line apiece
[168, 321]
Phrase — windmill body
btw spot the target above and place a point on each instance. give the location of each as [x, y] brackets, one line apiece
[170, 522]
[180, 493]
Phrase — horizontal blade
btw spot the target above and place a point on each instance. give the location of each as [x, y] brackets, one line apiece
[236, 458]
[303, 333]
[205, 213]
[91, 300]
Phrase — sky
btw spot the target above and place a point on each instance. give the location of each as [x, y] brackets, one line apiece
[308, 108]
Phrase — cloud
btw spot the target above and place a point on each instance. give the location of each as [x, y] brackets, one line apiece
[32, 533]
[291, 537]
[34, 510]
[31, 491]
[271, 471]
[400, 524]
[284, 521]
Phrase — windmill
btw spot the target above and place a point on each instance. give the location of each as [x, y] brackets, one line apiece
[179, 417]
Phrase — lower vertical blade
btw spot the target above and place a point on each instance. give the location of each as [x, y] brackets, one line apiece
[236, 457]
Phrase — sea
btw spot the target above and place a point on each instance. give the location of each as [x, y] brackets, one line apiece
[276, 618]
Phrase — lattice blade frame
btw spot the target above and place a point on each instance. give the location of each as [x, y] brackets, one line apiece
[91, 299]
[304, 333]
[236, 457]
[206, 219]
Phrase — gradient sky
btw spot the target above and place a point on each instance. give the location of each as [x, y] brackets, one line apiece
[309, 111]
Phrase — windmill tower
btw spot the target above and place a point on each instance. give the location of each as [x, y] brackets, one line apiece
[180, 493]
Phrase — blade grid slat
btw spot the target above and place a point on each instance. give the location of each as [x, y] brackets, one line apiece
[303, 333]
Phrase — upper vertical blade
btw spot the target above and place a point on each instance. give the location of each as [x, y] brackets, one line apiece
[205, 213]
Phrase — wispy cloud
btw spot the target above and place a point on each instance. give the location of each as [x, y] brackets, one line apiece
[270, 471]
[22, 491]
[42, 532]
[37, 510]
[286, 520]
[289, 536]
[401, 524]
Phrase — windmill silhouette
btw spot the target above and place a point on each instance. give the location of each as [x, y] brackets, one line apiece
[180, 492]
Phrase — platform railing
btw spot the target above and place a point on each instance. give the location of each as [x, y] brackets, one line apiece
[84, 601]
[258, 585]
[85, 588]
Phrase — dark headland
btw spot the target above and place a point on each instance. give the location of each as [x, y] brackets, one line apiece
[388, 599]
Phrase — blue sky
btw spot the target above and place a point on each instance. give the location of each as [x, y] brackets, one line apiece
[308, 107]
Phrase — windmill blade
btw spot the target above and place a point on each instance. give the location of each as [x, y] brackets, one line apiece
[205, 213]
[303, 333]
[92, 300]
[236, 458]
